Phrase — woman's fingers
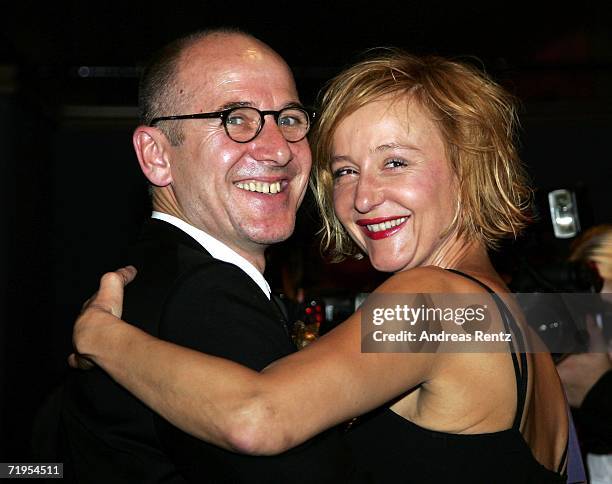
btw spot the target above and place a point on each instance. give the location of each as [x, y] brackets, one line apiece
[94, 318]
[110, 293]
[80, 362]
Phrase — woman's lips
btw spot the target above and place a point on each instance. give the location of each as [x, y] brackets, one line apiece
[382, 227]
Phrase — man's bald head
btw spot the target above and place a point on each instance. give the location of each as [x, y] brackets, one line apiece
[161, 90]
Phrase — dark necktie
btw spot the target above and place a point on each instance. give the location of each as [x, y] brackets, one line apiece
[282, 311]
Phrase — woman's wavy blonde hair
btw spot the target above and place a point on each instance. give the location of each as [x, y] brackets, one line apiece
[477, 119]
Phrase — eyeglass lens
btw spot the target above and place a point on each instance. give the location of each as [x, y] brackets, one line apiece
[243, 124]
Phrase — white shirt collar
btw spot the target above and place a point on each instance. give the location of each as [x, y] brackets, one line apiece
[217, 249]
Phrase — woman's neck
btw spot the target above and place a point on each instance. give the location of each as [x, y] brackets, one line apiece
[466, 256]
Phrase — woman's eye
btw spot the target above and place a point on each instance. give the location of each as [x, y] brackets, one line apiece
[340, 172]
[396, 163]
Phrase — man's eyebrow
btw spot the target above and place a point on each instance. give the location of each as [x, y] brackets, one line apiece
[235, 104]
[243, 104]
[293, 104]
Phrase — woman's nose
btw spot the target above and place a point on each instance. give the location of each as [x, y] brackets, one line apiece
[368, 194]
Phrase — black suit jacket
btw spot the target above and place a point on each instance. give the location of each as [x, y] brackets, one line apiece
[184, 295]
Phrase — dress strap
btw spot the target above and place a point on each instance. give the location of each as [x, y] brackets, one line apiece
[520, 372]
[575, 467]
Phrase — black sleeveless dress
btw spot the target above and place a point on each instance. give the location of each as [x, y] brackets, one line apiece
[391, 449]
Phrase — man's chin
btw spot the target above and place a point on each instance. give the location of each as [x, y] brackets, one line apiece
[271, 240]
[271, 235]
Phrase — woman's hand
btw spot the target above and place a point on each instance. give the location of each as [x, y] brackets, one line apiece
[580, 372]
[100, 311]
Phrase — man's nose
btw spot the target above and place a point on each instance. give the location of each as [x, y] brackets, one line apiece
[368, 193]
[270, 145]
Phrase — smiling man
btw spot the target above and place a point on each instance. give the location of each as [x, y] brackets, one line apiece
[223, 142]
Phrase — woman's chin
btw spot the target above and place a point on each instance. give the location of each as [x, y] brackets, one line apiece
[388, 265]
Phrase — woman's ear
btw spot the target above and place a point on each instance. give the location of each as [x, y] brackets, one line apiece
[150, 145]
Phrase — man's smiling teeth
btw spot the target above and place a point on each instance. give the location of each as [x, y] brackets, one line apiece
[260, 187]
[386, 225]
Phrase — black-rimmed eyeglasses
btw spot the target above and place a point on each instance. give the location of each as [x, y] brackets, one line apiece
[243, 124]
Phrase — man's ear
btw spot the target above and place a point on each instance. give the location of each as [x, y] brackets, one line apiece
[150, 145]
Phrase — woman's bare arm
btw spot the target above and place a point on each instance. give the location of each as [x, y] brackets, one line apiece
[232, 406]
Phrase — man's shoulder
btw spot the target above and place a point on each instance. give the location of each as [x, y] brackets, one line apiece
[174, 267]
[161, 244]
[164, 253]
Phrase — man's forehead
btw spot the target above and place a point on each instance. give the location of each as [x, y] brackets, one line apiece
[227, 56]
[245, 75]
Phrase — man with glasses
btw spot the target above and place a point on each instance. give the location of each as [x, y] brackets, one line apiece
[223, 142]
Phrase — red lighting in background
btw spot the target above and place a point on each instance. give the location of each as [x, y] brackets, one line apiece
[313, 314]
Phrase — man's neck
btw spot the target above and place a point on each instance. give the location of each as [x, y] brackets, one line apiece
[164, 200]
[258, 258]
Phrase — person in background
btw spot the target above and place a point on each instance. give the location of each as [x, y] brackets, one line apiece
[416, 167]
[587, 377]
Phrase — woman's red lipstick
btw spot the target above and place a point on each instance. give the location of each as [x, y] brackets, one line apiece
[372, 226]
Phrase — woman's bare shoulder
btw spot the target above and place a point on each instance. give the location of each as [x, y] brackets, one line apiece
[429, 279]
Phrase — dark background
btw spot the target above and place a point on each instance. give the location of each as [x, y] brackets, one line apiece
[73, 195]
